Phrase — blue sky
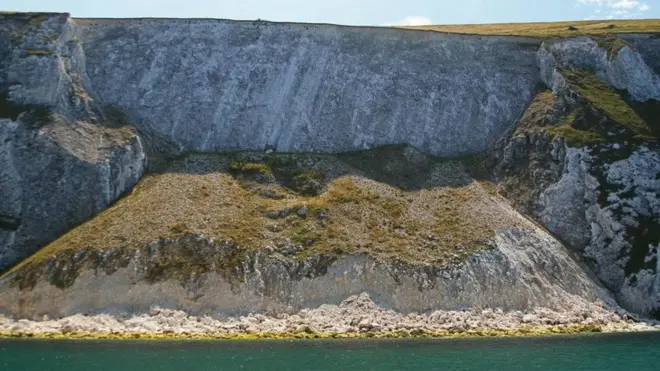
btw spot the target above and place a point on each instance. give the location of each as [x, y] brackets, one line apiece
[357, 12]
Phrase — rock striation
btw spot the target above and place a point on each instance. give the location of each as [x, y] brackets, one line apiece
[214, 85]
[525, 270]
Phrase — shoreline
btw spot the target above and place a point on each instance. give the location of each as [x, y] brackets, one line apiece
[414, 334]
[357, 317]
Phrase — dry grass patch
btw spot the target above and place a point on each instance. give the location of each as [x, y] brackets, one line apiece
[440, 224]
[538, 112]
[552, 29]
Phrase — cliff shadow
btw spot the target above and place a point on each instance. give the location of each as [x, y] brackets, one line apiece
[398, 165]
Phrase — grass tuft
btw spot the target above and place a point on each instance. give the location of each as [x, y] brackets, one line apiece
[574, 136]
[250, 168]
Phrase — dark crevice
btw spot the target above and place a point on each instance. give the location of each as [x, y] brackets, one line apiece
[9, 223]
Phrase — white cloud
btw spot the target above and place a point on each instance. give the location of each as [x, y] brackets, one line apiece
[414, 21]
[617, 8]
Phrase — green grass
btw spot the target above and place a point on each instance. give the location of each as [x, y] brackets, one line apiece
[575, 137]
[551, 29]
[607, 100]
[538, 111]
[250, 168]
[625, 120]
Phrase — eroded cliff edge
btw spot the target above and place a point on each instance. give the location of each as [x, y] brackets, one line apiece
[303, 231]
[584, 161]
[61, 161]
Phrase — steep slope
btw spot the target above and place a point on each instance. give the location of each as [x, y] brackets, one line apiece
[234, 234]
[318, 88]
[584, 160]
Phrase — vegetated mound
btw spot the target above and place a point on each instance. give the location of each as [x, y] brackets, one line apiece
[603, 114]
[393, 203]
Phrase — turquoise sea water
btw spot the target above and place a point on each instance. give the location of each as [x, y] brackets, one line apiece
[630, 352]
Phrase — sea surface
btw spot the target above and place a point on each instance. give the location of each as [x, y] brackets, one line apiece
[630, 352]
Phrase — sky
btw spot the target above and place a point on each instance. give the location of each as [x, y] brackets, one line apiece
[354, 12]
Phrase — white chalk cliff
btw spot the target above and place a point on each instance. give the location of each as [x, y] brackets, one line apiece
[115, 92]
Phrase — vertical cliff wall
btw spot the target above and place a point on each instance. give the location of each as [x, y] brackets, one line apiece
[221, 85]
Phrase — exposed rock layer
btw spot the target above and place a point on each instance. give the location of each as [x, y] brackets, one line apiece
[524, 271]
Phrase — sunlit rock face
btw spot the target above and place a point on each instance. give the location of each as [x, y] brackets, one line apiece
[221, 85]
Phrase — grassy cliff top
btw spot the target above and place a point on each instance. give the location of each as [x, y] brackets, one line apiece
[551, 29]
[531, 29]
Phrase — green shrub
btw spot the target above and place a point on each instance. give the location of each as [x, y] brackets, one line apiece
[611, 43]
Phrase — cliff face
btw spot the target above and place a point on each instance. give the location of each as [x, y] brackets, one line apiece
[541, 275]
[222, 85]
[569, 128]
[593, 181]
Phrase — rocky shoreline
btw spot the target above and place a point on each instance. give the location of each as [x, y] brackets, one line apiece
[356, 317]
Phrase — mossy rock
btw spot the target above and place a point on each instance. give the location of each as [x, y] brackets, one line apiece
[611, 103]
[612, 44]
[602, 115]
